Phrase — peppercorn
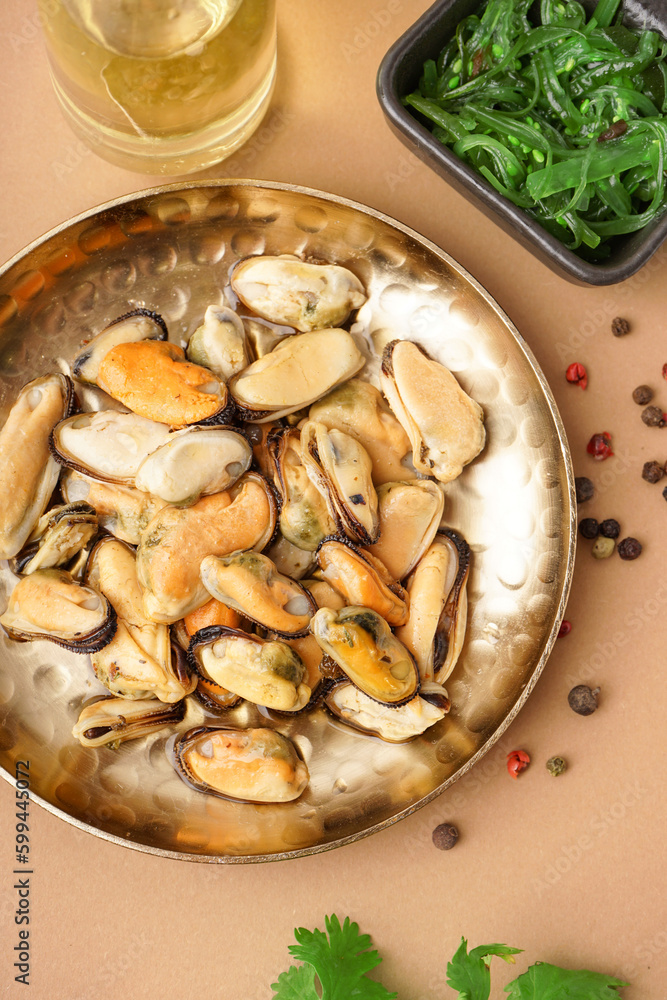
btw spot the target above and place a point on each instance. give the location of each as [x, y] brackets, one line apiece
[517, 761]
[642, 395]
[652, 472]
[620, 326]
[610, 528]
[588, 528]
[603, 547]
[582, 700]
[576, 373]
[556, 766]
[585, 489]
[599, 446]
[664, 493]
[445, 836]
[629, 548]
[653, 416]
[565, 628]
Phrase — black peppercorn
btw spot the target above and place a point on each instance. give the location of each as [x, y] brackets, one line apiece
[642, 395]
[629, 548]
[445, 836]
[588, 528]
[620, 326]
[653, 416]
[664, 493]
[652, 472]
[610, 528]
[584, 488]
[582, 700]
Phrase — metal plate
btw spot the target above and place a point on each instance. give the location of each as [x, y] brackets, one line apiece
[170, 249]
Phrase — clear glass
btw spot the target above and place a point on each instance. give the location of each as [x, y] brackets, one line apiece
[162, 86]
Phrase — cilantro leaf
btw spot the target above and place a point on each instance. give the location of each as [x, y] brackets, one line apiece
[549, 982]
[469, 973]
[297, 983]
[340, 959]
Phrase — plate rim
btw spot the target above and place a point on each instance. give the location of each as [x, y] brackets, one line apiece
[569, 497]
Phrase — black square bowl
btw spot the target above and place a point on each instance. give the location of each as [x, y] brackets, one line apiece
[399, 74]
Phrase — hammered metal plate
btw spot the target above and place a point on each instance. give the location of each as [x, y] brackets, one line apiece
[170, 250]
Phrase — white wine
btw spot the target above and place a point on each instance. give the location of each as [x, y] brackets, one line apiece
[162, 86]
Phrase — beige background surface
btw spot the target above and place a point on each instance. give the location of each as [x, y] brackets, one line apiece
[569, 870]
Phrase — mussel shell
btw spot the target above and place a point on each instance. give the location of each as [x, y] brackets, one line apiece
[138, 324]
[250, 765]
[27, 614]
[393, 724]
[29, 473]
[341, 469]
[435, 630]
[61, 533]
[114, 720]
[304, 515]
[364, 647]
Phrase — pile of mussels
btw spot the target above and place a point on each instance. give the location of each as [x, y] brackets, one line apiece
[275, 519]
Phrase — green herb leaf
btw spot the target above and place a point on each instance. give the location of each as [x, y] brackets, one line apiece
[549, 982]
[340, 958]
[469, 973]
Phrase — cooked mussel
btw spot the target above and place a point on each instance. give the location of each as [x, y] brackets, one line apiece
[358, 409]
[174, 543]
[341, 469]
[304, 516]
[253, 765]
[250, 583]
[107, 445]
[271, 674]
[138, 324]
[61, 533]
[290, 291]
[138, 662]
[50, 604]
[396, 725]
[362, 579]
[364, 647]
[435, 629]
[298, 371]
[121, 510]
[111, 721]
[153, 379]
[194, 462]
[410, 514]
[219, 343]
[28, 473]
[445, 426]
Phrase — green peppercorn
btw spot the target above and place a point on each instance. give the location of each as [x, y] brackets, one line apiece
[603, 547]
[556, 766]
